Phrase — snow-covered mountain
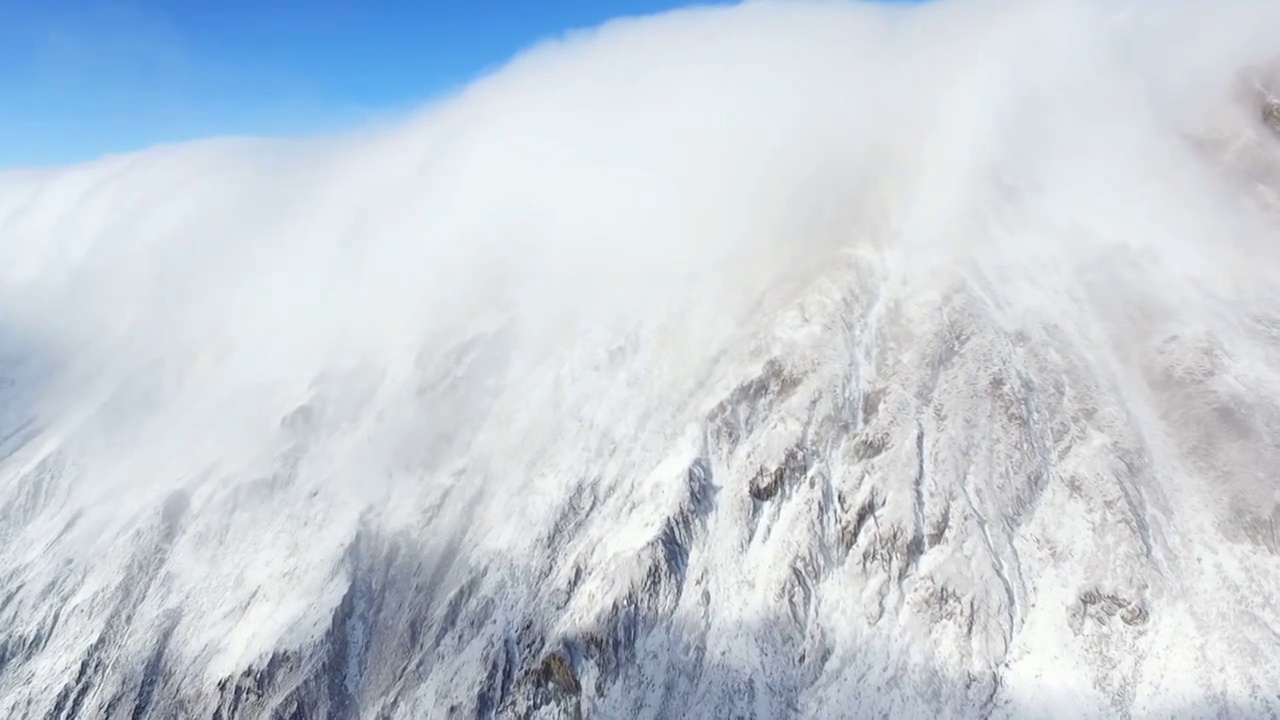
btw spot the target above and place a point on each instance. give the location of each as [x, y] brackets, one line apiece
[782, 360]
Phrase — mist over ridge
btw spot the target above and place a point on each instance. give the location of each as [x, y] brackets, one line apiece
[812, 359]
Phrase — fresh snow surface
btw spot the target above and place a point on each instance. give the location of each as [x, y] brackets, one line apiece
[781, 360]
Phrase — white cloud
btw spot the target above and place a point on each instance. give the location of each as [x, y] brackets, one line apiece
[671, 170]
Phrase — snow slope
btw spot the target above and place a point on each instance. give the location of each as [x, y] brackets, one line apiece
[790, 359]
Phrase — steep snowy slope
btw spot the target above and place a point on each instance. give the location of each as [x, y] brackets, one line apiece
[813, 360]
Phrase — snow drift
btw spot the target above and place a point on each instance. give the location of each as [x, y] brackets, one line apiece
[811, 359]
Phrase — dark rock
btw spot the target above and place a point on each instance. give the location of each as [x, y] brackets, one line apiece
[556, 671]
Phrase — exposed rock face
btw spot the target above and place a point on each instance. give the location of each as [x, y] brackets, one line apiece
[1251, 155]
[1261, 87]
[925, 472]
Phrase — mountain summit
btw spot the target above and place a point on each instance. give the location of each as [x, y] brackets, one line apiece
[781, 360]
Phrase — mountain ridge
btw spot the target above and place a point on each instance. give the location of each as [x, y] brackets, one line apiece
[652, 378]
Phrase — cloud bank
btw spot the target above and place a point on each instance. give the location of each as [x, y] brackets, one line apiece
[644, 152]
[676, 170]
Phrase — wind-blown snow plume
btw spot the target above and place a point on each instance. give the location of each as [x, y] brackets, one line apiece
[785, 359]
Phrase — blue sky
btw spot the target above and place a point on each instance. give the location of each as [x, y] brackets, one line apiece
[83, 78]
